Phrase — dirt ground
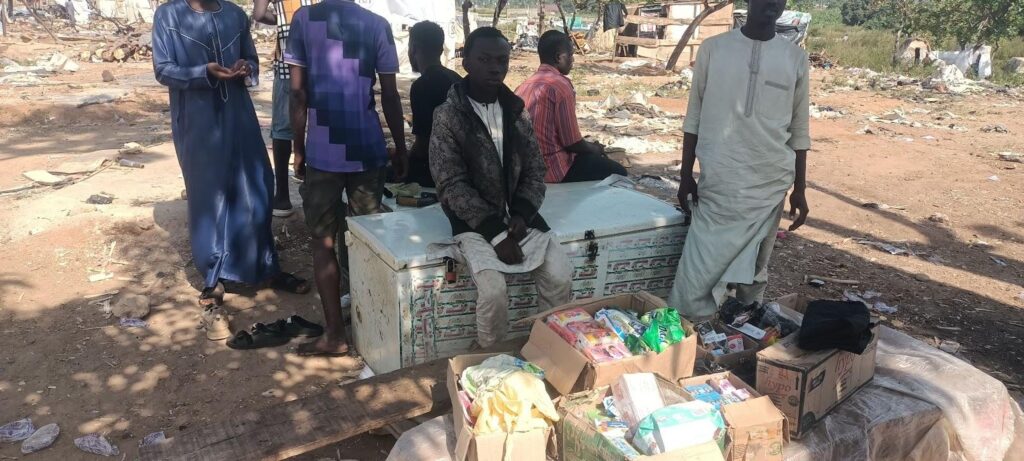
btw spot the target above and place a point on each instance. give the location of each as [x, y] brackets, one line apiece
[937, 192]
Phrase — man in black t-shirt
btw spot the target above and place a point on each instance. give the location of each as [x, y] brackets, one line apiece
[426, 43]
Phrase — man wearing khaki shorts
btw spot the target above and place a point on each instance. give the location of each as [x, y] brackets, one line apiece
[336, 52]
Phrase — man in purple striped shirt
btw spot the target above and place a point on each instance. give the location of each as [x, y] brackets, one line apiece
[336, 51]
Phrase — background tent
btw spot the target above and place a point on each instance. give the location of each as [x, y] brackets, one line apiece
[402, 14]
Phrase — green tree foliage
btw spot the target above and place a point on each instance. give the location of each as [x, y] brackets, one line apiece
[857, 12]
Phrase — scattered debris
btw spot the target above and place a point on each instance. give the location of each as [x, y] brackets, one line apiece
[131, 148]
[1011, 157]
[938, 218]
[97, 445]
[102, 198]
[41, 439]
[100, 277]
[825, 112]
[43, 177]
[108, 76]
[922, 277]
[999, 261]
[882, 206]
[892, 249]
[870, 299]
[131, 306]
[948, 328]
[993, 178]
[816, 283]
[103, 98]
[133, 323]
[155, 438]
[16, 431]
[836, 281]
[130, 163]
[997, 128]
[273, 393]
[949, 347]
[822, 60]
[866, 130]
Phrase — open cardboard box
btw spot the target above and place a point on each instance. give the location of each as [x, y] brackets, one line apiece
[736, 360]
[579, 439]
[757, 430]
[568, 370]
[528, 446]
[806, 385]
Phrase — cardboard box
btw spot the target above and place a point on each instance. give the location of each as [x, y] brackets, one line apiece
[579, 440]
[568, 370]
[757, 430]
[527, 446]
[806, 385]
[736, 360]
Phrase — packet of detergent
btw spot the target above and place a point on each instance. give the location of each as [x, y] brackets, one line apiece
[663, 329]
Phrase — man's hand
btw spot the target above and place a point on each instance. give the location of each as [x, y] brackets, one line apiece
[508, 251]
[241, 68]
[299, 164]
[220, 72]
[399, 162]
[798, 209]
[517, 228]
[687, 187]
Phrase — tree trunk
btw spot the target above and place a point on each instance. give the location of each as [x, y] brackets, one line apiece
[561, 12]
[497, 12]
[540, 17]
[708, 10]
[466, 5]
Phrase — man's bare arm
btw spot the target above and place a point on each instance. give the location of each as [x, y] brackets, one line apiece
[261, 13]
[391, 104]
[687, 185]
[298, 105]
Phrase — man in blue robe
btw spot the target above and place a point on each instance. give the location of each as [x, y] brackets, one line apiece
[204, 53]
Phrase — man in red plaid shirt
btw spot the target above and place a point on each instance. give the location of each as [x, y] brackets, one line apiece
[551, 100]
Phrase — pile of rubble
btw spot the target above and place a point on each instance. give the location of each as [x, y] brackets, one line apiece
[636, 117]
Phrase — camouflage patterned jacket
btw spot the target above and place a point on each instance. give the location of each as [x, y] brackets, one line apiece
[472, 184]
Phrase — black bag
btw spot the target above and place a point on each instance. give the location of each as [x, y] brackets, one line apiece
[835, 325]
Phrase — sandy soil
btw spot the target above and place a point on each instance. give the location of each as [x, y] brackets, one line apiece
[63, 360]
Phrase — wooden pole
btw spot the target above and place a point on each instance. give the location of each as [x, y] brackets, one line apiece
[708, 10]
[540, 18]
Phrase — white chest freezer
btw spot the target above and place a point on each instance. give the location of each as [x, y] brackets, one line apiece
[405, 313]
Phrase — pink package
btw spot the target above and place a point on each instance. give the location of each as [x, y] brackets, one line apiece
[592, 333]
[560, 321]
[568, 316]
[607, 352]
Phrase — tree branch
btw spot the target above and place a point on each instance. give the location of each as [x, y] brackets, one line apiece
[708, 10]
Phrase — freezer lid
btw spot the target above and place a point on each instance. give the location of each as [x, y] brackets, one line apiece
[401, 238]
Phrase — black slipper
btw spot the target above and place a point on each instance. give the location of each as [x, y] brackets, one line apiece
[287, 282]
[296, 327]
[260, 337]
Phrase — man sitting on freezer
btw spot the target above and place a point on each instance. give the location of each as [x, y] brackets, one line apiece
[490, 181]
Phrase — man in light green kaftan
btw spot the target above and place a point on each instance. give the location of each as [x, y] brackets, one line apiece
[747, 124]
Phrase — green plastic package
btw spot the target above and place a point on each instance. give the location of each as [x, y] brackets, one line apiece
[663, 329]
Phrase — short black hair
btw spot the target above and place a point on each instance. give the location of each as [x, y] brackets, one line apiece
[428, 37]
[551, 43]
[481, 33]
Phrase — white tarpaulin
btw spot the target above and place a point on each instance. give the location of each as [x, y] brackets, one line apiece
[402, 14]
[976, 58]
